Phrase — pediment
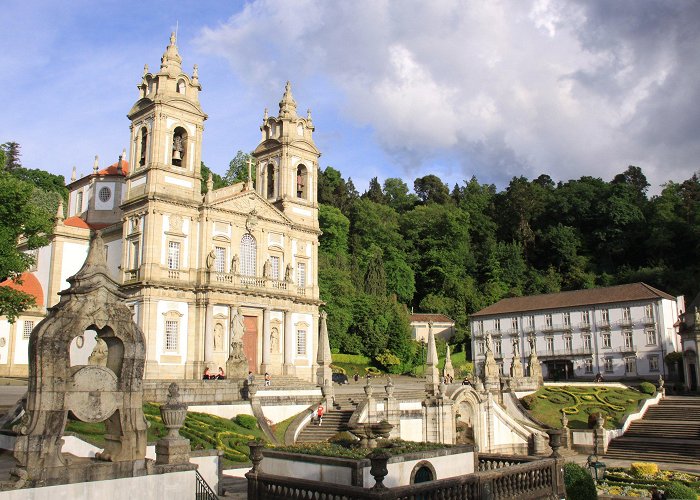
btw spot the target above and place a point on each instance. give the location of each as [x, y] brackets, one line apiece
[247, 202]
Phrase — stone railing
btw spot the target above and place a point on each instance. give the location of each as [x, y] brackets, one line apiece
[488, 462]
[538, 478]
[242, 281]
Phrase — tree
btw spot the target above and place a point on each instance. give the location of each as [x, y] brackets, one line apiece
[219, 181]
[335, 227]
[238, 168]
[11, 153]
[430, 189]
[18, 217]
[396, 195]
[375, 276]
[374, 193]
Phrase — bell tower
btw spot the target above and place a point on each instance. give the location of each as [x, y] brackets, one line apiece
[166, 132]
[287, 162]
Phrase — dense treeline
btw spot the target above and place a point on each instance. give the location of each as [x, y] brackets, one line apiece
[456, 251]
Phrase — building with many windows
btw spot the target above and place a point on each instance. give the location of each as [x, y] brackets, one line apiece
[620, 331]
[193, 265]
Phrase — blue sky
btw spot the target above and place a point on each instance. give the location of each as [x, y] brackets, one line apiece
[397, 88]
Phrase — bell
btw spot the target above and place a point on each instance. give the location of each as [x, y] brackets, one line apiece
[176, 155]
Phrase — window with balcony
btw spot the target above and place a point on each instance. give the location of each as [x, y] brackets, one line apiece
[649, 312]
[497, 324]
[653, 363]
[548, 320]
[549, 345]
[275, 264]
[605, 316]
[480, 347]
[497, 346]
[301, 274]
[650, 335]
[567, 319]
[249, 251]
[588, 365]
[626, 314]
[587, 342]
[608, 365]
[568, 343]
[531, 322]
[630, 365]
[514, 323]
[173, 255]
[627, 335]
[586, 317]
[479, 327]
[172, 328]
[606, 340]
[220, 259]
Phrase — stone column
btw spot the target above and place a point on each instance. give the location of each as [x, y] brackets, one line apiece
[209, 336]
[265, 366]
[432, 375]
[289, 368]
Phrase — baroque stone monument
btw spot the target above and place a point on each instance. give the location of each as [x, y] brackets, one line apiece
[237, 363]
[491, 372]
[533, 362]
[107, 390]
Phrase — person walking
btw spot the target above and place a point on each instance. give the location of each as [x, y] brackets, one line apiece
[319, 413]
[268, 380]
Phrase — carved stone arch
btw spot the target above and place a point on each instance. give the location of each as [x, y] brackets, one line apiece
[423, 464]
[111, 393]
[466, 408]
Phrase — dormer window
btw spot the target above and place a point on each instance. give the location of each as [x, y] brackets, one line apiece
[181, 87]
[179, 147]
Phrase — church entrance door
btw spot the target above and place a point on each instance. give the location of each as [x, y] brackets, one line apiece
[250, 342]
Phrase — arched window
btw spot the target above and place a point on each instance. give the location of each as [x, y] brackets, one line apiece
[179, 147]
[143, 145]
[181, 87]
[270, 181]
[302, 181]
[248, 255]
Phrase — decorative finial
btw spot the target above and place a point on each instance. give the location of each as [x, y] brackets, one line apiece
[145, 69]
[173, 38]
[59, 210]
[74, 174]
[195, 73]
[308, 114]
[95, 165]
[288, 107]
[265, 114]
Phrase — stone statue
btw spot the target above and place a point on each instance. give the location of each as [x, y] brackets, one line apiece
[697, 316]
[288, 273]
[516, 348]
[274, 340]
[218, 336]
[98, 357]
[488, 342]
[267, 269]
[531, 341]
[237, 327]
[211, 258]
[234, 264]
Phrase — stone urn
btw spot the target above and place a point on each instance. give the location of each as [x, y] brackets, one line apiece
[564, 420]
[369, 389]
[173, 413]
[256, 454]
[379, 459]
[389, 388]
[555, 441]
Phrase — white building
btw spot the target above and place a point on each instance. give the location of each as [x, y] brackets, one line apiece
[443, 326]
[620, 331]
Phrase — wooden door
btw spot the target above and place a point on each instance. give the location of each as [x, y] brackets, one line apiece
[250, 342]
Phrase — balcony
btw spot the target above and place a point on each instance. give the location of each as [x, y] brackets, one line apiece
[604, 324]
[625, 322]
[557, 327]
[649, 321]
[627, 349]
[273, 286]
[565, 353]
[131, 275]
[584, 325]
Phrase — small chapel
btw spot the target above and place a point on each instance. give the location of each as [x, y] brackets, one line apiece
[196, 269]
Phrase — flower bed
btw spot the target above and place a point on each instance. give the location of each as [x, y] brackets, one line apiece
[392, 446]
[633, 482]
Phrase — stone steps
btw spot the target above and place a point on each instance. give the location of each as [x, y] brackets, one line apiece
[283, 381]
[334, 422]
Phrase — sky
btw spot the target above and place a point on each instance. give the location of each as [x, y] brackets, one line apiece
[492, 89]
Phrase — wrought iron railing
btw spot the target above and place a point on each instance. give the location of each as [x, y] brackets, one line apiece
[202, 489]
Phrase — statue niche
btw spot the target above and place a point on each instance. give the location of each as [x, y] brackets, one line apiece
[107, 389]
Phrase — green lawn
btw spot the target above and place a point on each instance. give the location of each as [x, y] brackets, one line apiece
[203, 430]
[461, 365]
[354, 363]
[579, 402]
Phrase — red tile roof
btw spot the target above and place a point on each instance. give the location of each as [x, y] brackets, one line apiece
[575, 298]
[112, 169]
[435, 318]
[29, 285]
[76, 221]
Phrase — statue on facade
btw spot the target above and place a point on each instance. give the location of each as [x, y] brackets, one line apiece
[288, 273]
[274, 340]
[531, 341]
[211, 258]
[234, 264]
[237, 363]
[98, 356]
[488, 342]
[516, 348]
[237, 327]
[218, 336]
[267, 269]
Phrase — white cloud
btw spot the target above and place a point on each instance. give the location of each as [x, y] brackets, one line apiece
[502, 88]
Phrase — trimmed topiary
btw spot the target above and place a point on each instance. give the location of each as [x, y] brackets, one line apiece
[680, 491]
[647, 388]
[247, 421]
[641, 469]
[579, 483]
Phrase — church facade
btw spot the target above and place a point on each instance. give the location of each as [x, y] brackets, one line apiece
[191, 264]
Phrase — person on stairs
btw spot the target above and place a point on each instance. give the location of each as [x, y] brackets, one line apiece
[319, 413]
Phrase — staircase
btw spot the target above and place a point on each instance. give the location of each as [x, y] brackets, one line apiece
[334, 421]
[669, 432]
[283, 381]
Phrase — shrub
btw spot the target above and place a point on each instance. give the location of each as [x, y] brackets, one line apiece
[372, 371]
[678, 490]
[352, 359]
[247, 421]
[593, 418]
[579, 483]
[641, 469]
[529, 401]
[389, 361]
[647, 388]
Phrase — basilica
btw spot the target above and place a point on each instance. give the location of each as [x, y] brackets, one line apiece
[192, 265]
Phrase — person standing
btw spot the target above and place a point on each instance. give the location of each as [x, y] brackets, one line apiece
[319, 413]
[268, 379]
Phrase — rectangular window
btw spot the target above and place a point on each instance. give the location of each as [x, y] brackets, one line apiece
[588, 365]
[608, 365]
[134, 258]
[568, 343]
[27, 329]
[549, 345]
[497, 324]
[220, 259]
[79, 203]
[301, 274]
[626, 314]
[301, 342]
[173, 255]
[653, 363]
[480, 347]
[649, 311]
[480, 327]
[605, 316]
[531, 322]
[650, 334]
[587, 343]
[606, 340]
[585, 318]
[498, 348]
[171, 334]
[514, 323]
[628, 339]
[548, 320]
[630, 365]
[567, 319]
[275, 262]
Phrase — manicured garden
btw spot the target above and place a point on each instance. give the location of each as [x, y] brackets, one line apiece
[641, 477]
[341, 449]
[204, 432]
[580, 402]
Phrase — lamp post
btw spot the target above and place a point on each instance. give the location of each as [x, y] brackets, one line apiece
[422, 353]
[595, 468]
